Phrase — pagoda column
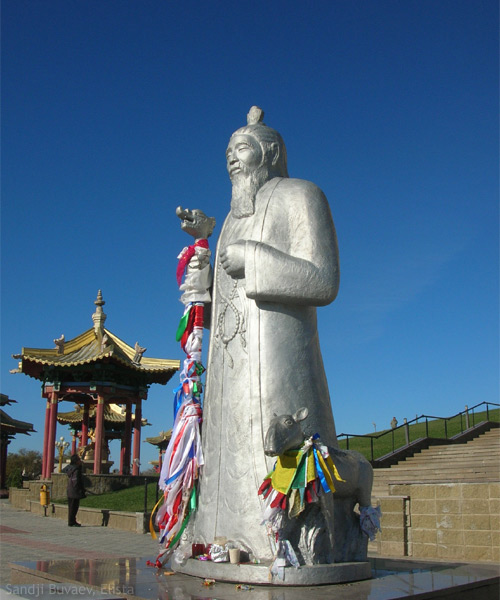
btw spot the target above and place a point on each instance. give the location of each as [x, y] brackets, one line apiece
[126, 441]
[74, 437]
[99, 434]
[84, 438]
[137, 437]
[46, 439]
[51, 444]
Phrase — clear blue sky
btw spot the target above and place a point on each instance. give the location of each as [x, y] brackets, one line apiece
[116, 112]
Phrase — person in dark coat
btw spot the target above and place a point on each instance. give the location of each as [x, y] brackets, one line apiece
[76, 488]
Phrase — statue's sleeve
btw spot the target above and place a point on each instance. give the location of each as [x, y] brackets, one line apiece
[301, 265]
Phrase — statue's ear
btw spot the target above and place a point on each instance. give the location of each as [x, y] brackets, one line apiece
[274, 414]
[275, 153]
[301, 414]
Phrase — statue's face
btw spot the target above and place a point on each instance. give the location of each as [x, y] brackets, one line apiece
[243, 155]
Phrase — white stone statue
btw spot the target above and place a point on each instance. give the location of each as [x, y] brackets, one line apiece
[276, 261]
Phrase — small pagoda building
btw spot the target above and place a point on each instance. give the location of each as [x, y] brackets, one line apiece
[97, 371]
[115, 418]
[161, 441]
[9, 428]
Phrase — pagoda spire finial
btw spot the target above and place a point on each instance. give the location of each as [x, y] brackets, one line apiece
[99, 317]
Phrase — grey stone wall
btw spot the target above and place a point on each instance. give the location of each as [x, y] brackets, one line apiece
[99, 484]
[95, 484]
[441, 520]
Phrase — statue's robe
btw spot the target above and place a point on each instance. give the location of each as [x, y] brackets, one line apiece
[264, 354]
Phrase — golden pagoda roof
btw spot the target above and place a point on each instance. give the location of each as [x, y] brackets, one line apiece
[5, 400]
[86, 349]
[162, 439]
[93, 346]
[113, 413]
[10, 426]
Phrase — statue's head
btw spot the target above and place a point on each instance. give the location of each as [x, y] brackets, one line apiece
[255, 154]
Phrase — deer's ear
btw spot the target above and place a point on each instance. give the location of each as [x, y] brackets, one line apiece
[301, 414]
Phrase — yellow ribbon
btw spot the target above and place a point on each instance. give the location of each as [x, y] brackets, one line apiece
[326, 471]
[284, 471]
[332, 466]
[311, 468]
[151, 526]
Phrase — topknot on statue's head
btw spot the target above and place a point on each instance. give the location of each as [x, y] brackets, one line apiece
[256, 127]
[268, 138]
[255, 115]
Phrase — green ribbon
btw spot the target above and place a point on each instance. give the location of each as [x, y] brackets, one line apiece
[182, 325]
[300, 479]
[199, 369]
[192, 501]
[192, 508]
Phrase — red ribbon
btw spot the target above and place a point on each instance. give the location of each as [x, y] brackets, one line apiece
[188, 330]
[195, 319]
[186, 256]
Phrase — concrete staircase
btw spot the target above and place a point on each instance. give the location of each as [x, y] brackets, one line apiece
[443, 502]
[476, 461]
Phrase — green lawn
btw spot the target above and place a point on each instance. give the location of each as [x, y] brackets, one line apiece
[129, 499]
[388, 440]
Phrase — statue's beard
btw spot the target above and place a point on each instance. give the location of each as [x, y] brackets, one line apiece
[246, 184]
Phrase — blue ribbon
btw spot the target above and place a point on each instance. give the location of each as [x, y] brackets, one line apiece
[319, 472]
[191, 370]
[174, 477]
[182, 468]
[178, 399]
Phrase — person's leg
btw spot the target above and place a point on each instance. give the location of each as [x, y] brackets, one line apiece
[76, 507]
[71, 511]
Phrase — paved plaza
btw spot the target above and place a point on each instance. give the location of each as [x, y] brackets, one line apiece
[84, 560]
[28, 537]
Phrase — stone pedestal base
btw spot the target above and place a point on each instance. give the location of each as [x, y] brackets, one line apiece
[105, 465]
[260, 574]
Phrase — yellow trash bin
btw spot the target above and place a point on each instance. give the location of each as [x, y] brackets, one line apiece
[44, 495]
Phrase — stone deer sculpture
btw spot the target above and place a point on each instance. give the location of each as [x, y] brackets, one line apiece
[285, 433]
[351, 530]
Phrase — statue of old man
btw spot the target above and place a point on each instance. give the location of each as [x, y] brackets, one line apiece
[276, 261]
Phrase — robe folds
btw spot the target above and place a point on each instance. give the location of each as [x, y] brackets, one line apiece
[264, 355]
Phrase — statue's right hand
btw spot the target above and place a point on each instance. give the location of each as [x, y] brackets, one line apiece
[232, 259]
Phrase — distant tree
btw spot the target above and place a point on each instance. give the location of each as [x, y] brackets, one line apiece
[25, 464]
[14, 479]
[150, 471]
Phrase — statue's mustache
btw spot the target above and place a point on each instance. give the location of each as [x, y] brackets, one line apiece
[241, 172]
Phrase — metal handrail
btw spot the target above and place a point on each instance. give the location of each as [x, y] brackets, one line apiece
[467, 412]
[147, 480]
